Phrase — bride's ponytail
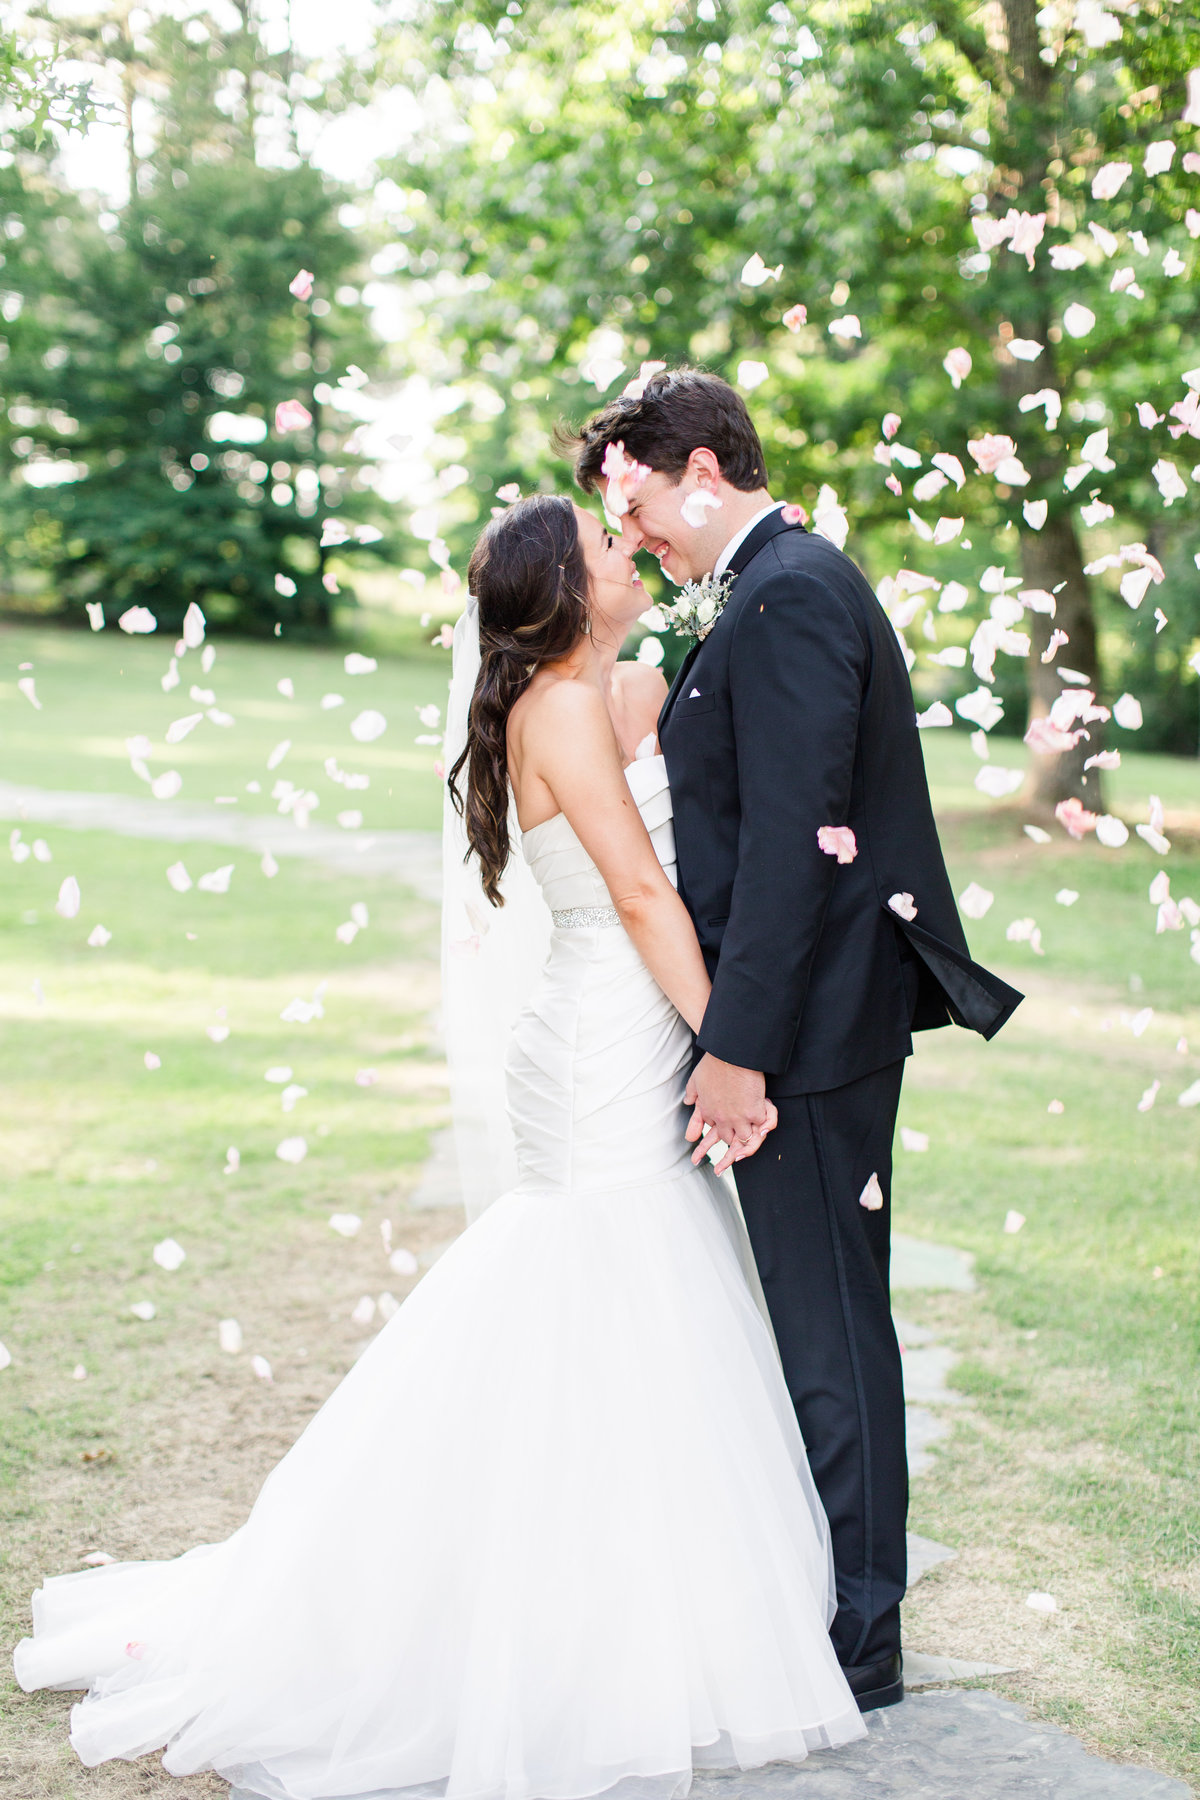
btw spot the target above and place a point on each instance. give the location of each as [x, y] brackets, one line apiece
[529, 580]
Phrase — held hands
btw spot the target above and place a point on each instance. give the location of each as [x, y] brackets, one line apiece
[730, 1107]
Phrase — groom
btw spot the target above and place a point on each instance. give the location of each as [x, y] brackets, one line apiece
[825, 950]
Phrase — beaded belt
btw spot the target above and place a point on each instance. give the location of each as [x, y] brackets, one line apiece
[583, 918]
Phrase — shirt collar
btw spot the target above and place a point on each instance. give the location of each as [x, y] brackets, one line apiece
[723, 561]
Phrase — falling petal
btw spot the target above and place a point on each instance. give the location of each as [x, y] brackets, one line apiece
[262, 1368]
[216, 881]
[1013, 1221]
[368, 726]
[890, 425]
[366, 1078]
[144, 1310]
[1024, 349]
[1111, 831]
[697, 506]
[166, 785]
[1063, 256]
[846, 328]
[403, 1262]
[268, 865]
[913, 1140]
[346, 1225]
[138, 619]
[957, 364]
[169, 1254]
[751, 374]
[229, 1336]
[1127, 713]
[998, 783]
[1149, 1097]
[872, 1195]
[290, 415]
[292, 1150]
[26, 686]
[1190, 1095]
[178, 729]
[902, 905]
[179, 878]
[95, 613]
[301, 284]
[975, 901]
[839, 841]
[1078, 320]
[67, 904]
[1108, 181]
[795, 317]
[233, 1160]
[1074, 818]
[98, 937]
[152, 1060]
[755, 272]
[278, 753]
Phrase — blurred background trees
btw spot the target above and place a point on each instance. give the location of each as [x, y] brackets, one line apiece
[576, 191]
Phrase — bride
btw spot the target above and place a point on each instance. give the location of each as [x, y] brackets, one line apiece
[554, 1535]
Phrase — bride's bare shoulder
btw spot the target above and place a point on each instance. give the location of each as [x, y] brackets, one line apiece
[552, 704]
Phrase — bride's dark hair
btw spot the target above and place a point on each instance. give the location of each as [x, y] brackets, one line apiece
[529, 579]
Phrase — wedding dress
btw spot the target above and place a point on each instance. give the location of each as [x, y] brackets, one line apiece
[554, 1535]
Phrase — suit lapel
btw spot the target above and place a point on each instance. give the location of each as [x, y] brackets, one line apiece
[745, 553]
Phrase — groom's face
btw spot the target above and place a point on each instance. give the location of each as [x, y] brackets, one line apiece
[653, 521]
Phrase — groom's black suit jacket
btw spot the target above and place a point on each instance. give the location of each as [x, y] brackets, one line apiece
[796, 712]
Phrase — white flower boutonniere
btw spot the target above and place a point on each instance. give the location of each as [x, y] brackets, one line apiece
[700, 605]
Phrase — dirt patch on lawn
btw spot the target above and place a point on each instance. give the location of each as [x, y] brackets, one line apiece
[182, 1444]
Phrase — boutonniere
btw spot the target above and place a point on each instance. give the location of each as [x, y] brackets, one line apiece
[699, 605]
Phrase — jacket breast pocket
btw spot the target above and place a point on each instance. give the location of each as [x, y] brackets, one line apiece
[694, 707]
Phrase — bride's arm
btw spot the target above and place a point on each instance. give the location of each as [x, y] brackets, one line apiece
[567, 740]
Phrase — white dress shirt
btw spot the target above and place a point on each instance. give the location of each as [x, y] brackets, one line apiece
[739, 537]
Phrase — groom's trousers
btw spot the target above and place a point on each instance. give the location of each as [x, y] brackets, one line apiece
[823, 1259]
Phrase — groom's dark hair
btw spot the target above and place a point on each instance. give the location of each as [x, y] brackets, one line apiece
[677, 411]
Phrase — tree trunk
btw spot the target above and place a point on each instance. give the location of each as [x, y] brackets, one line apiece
[1048, 557]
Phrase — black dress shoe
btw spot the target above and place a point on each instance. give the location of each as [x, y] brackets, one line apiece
[877, 1684]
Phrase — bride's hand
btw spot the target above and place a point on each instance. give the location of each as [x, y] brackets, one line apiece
[745, 1147]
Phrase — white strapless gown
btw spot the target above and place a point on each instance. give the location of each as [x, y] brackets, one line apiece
[554, 1535]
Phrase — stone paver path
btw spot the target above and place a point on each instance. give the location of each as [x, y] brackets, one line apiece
[939, 1745]
[949, 1746]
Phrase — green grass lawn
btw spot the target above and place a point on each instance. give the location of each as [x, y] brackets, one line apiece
[99, 689]
[1075, 1468]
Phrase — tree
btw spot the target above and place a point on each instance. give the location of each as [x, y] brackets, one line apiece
[611, 170]
[150, 352]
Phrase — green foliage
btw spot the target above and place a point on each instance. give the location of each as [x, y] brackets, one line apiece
[147, 351]
[614, 167]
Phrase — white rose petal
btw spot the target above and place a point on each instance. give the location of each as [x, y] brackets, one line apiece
[1078, 320]
[872, 1195]
[751, 374]
[1111, 831]
[364, 1311]
[216, 881]
[144, 1310]
[368, 726]
[138, 619]
[913, 1140]
[98, 937]
[67, 904]
[262, 1368]
[1013, 1221]
[229, 1336]
[1042, 1603]
[169, 1254]
[1127, 712]
[403, 1262]
[346, 1225]
[1190, 1095]
[178, 729]
[292, 1150]
[902, 905]
[354, 664]
[975, 900]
